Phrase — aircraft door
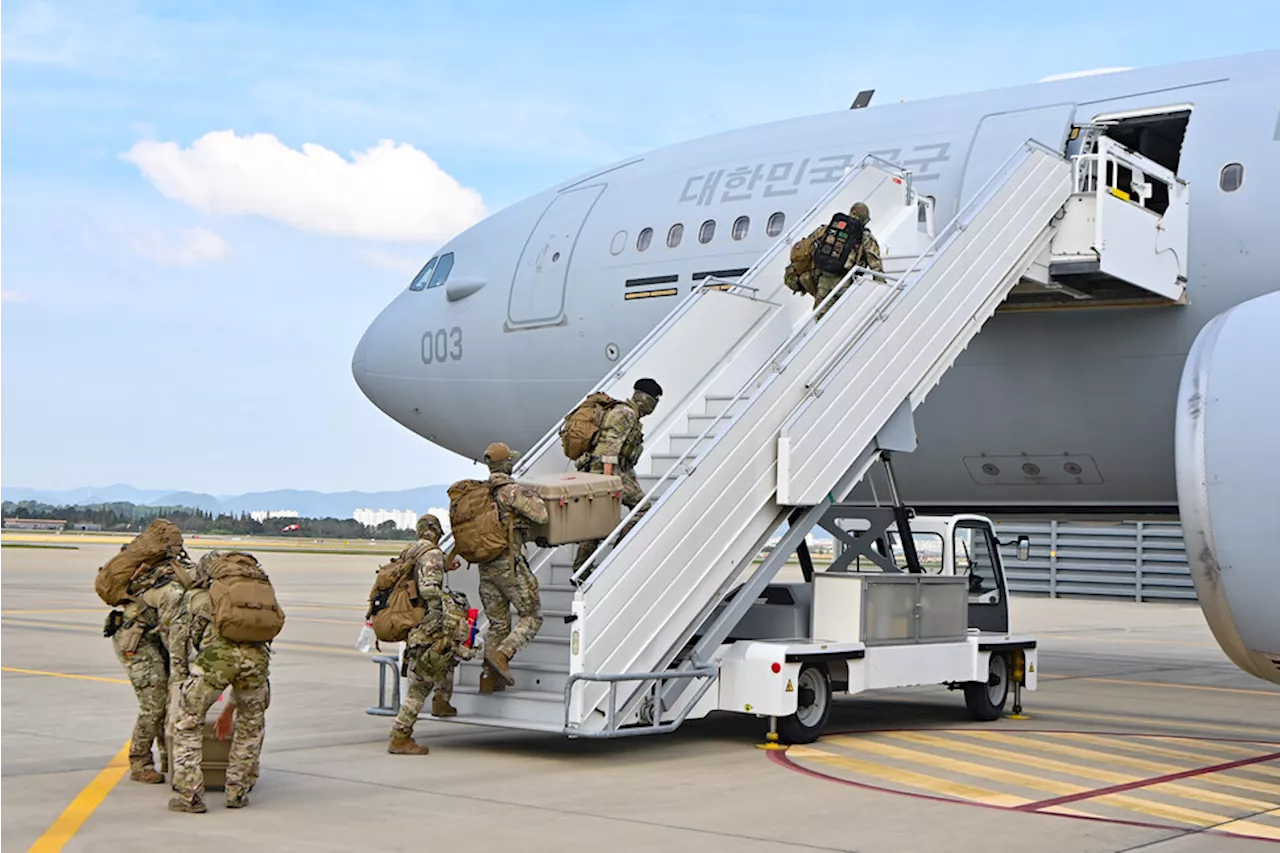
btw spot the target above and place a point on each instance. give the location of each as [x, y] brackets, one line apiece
[999, 134]
[537, 289]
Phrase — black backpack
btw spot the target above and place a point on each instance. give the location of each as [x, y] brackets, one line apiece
[841, 236]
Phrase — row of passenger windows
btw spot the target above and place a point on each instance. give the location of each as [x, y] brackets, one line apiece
[706, 232]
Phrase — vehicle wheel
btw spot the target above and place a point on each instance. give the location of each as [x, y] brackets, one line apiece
[985, 700]
[813, 706]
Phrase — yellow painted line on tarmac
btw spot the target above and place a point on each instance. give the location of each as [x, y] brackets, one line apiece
[64, 675]
[1249, 826]
[1206, 645]
[1194, 755]
[1154, 721]
[1274, 694]
[910, 778]
[74, 816]
[1091, 771]
[955, 765]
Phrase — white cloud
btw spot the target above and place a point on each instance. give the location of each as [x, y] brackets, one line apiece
[196, 246]
[390, 191]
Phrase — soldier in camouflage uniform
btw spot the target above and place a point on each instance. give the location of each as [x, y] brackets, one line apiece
[205, 664]
[428, 654]
[866, 254]
[139, 641]
[507, 582]
[616, 451]
[134, 636]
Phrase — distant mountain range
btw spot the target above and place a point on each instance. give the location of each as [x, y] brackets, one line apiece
[308, 503]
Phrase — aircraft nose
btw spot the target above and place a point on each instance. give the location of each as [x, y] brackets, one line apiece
[359, 370]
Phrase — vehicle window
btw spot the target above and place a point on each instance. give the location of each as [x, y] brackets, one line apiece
[643, 239]
[741, 226]
[619, 243]
[928, 549]
[675, 235]
[775, 224]
[707, 231]
[974, 557]
[1231, 178]
[442, 270]
[420, 280]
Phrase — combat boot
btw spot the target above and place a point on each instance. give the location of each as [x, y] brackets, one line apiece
[147, 776]
[490, 682]
[237, 798]
[405, 745]
[440, 707]
[196, 806]
[498, 660]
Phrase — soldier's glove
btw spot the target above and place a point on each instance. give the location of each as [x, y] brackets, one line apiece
[115, 620]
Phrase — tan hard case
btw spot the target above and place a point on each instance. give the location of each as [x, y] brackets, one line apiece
[580, 507]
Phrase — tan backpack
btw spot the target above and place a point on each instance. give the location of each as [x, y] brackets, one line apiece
[162, 540]
[581, 426]
[394, 604]
[245, 609]
[479, 535]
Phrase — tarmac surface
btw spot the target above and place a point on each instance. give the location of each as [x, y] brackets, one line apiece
[1142, 736]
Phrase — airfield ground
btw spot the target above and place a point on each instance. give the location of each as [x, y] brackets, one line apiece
[1141, 737]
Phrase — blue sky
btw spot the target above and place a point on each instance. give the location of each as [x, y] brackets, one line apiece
[184, 282]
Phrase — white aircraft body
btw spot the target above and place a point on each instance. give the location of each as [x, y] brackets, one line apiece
[1077, 400]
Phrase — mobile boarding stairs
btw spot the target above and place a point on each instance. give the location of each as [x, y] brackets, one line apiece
[771, 416]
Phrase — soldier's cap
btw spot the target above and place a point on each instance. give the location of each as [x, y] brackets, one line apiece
[860, 211]
[499, 452]
[430, 522]
[648, 386]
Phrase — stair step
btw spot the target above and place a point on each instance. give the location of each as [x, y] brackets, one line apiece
[682, 441]
[510, 708]
[531, 677]
[716, 404]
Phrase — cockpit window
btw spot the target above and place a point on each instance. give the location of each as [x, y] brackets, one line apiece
[420, 280]
[442, 270]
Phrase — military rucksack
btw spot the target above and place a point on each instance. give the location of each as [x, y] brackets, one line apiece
[162, 540]
[838, 240]
[581, 426]
[479, 535]
[394, 604]
[245, 609]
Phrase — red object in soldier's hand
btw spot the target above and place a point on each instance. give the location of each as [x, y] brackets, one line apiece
[222, 728]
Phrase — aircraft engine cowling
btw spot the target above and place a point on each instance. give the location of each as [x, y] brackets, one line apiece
[1227, 442]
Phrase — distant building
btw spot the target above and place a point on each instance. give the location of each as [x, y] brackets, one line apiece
[34, 523]
[86, 526]
[405, 519]
[261, 515]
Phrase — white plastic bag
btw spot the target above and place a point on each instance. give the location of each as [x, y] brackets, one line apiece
[367, 638]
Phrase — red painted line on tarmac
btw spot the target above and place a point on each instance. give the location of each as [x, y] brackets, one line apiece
[1145, 783]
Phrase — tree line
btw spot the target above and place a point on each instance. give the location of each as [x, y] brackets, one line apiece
[125, 517]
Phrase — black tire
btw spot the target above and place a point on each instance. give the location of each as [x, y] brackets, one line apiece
[986, 699]
[813, 706]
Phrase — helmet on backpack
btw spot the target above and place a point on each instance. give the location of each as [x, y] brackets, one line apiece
[429, 527]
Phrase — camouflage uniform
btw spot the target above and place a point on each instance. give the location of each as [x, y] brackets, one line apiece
[507, 582]
[428, 656]
[204, 664]
[620, 444]
[139, 648]
[867, 254]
